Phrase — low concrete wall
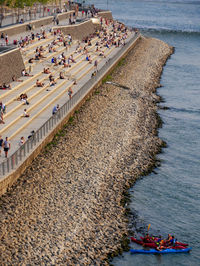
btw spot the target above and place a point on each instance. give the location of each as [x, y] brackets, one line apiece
[65, 15]
[11, 63]
[105, 14]
[78, 31]
[8, 181]
[19, 28]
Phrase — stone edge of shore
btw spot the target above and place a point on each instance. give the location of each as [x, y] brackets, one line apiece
[125, 241]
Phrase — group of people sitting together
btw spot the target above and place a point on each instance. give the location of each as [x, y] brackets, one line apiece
[160, 242]
[59, 39]
[5, 86]
[52, 80]
[28, 39]
[23, 98]
[63, 60]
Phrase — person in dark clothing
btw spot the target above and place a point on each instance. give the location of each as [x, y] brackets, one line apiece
[1, 144]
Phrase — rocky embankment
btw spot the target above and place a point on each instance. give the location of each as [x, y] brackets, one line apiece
[67, 207]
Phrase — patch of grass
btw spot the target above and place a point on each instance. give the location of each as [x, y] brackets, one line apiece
[107, 78]
[71, 119]
[121, 62]
[96, 92]
[58, 135]
[88, 99]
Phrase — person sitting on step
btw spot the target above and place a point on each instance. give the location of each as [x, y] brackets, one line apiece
[61, 75]
[26, 74]
[46, 71]
[25, 114]
[39, 84]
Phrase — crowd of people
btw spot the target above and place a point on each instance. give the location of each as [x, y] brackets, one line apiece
[112, 34]
[161, 243]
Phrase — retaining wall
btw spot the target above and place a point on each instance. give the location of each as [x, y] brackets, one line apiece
[78, 31]
[105, 14]
[11, 63]
[7, 181]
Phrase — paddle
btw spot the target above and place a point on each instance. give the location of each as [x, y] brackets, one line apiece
[148, 227]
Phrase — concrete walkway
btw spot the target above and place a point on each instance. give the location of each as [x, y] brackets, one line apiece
[63, 22]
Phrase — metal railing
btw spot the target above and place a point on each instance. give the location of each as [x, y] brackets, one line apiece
[24, 151]
[5, 49]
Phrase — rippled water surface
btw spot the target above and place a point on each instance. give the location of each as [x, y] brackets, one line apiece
[170, 199]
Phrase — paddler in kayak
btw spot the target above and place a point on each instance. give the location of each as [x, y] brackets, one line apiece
[172, 241]
[169, 237]
[146, 239]
[161, 246]
[158, 240]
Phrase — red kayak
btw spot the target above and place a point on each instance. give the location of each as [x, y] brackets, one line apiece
[154, 245]
[140, 242]
[155, 239]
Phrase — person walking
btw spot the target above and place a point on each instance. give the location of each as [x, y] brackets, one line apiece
[54, 20]
[70, 93]
[95, 64]
[6, 146]
[6, 39]
[55, 109]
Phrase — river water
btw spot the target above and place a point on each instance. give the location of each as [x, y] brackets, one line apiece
[169, 199]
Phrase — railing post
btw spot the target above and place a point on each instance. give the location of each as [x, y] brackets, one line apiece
[67, 107]
[16, 157]
[31, 142]
[38, 136]
[8, 165]
[35, 138]
[20, 154]
[44, 129]
[3, 168]
[60, 114]
[27, 143]
[52, 122]
[24, 150]
[12, 161]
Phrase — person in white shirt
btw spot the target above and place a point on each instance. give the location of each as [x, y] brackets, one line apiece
[22, 141]
[25, 113]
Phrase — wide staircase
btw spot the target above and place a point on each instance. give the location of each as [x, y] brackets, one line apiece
[43, 99]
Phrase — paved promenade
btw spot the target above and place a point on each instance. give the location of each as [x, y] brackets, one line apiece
[63, 22]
